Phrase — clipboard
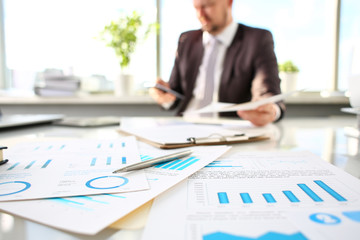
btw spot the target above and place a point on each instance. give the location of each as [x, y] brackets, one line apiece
[217, 136]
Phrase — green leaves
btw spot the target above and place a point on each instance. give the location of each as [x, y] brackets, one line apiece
[121, 35]
[288, 66]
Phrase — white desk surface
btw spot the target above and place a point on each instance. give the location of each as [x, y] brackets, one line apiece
[26, 98]
[323, 136]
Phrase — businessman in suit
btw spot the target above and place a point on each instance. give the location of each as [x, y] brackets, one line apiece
[244, 67]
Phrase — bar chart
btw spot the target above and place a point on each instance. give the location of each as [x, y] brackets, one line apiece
[246, 197]
[88, 203]
[108, 161]
[74, 146]
[225, 164]
[29, 165]
[275, 192]
[179, 164]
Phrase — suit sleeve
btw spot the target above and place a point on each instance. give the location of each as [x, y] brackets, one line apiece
[175, 77]
[266, 81]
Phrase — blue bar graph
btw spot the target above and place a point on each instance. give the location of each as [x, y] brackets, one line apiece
[71, 203]
[178, 164]
[88, 198]
[108, 161]
[29, 165]
[13, 166]
[111, 145]
[220, 164]
[330, 191]
[291, 196]
[188, 164]
[99, 145]
[123, 160]
[246, 198]
[145, 157]
[310, 192]
[46, 163]
[123, 144]
[223, 198]
[269, 198]
[112, 195]
[68, 201]
[167, 164]
[93, 161]
[181, 163]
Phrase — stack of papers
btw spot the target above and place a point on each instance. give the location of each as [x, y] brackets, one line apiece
[69, 185]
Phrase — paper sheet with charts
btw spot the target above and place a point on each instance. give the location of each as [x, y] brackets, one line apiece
[69, 168]
[89, 214]
[260, 195]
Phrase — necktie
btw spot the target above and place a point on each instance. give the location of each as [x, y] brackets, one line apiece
[210, 74]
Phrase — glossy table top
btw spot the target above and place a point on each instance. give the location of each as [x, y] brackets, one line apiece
[325, 137]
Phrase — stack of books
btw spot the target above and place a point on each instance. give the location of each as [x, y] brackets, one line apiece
[56, 84]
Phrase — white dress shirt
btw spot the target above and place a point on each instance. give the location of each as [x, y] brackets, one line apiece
[224, 38]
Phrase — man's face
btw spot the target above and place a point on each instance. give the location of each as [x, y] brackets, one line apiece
[212, 14]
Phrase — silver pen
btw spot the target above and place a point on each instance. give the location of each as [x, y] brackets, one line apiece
[154, 161]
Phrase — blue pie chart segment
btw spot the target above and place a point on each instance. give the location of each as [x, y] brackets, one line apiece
[107, 182]
[325, 218]
[13, 187]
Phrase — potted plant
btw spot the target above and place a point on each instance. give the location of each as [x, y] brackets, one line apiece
[122, 36]
[288, 73]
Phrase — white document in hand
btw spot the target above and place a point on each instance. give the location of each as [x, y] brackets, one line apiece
[226, 107]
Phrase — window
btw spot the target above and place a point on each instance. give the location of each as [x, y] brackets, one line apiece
[174, 13]
[349, 49]
[64, 34]
[302, 32]
[61, 34]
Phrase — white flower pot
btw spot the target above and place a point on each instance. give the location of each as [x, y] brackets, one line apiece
[123, 85]
[354, 91]
[288, 81]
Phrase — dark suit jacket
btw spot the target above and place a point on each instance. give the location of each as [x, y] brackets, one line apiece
[250, 67]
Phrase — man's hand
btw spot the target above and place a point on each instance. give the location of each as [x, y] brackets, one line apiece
[261, 116]
[160, 96]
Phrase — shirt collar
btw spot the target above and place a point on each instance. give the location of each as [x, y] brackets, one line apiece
[225, 37]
